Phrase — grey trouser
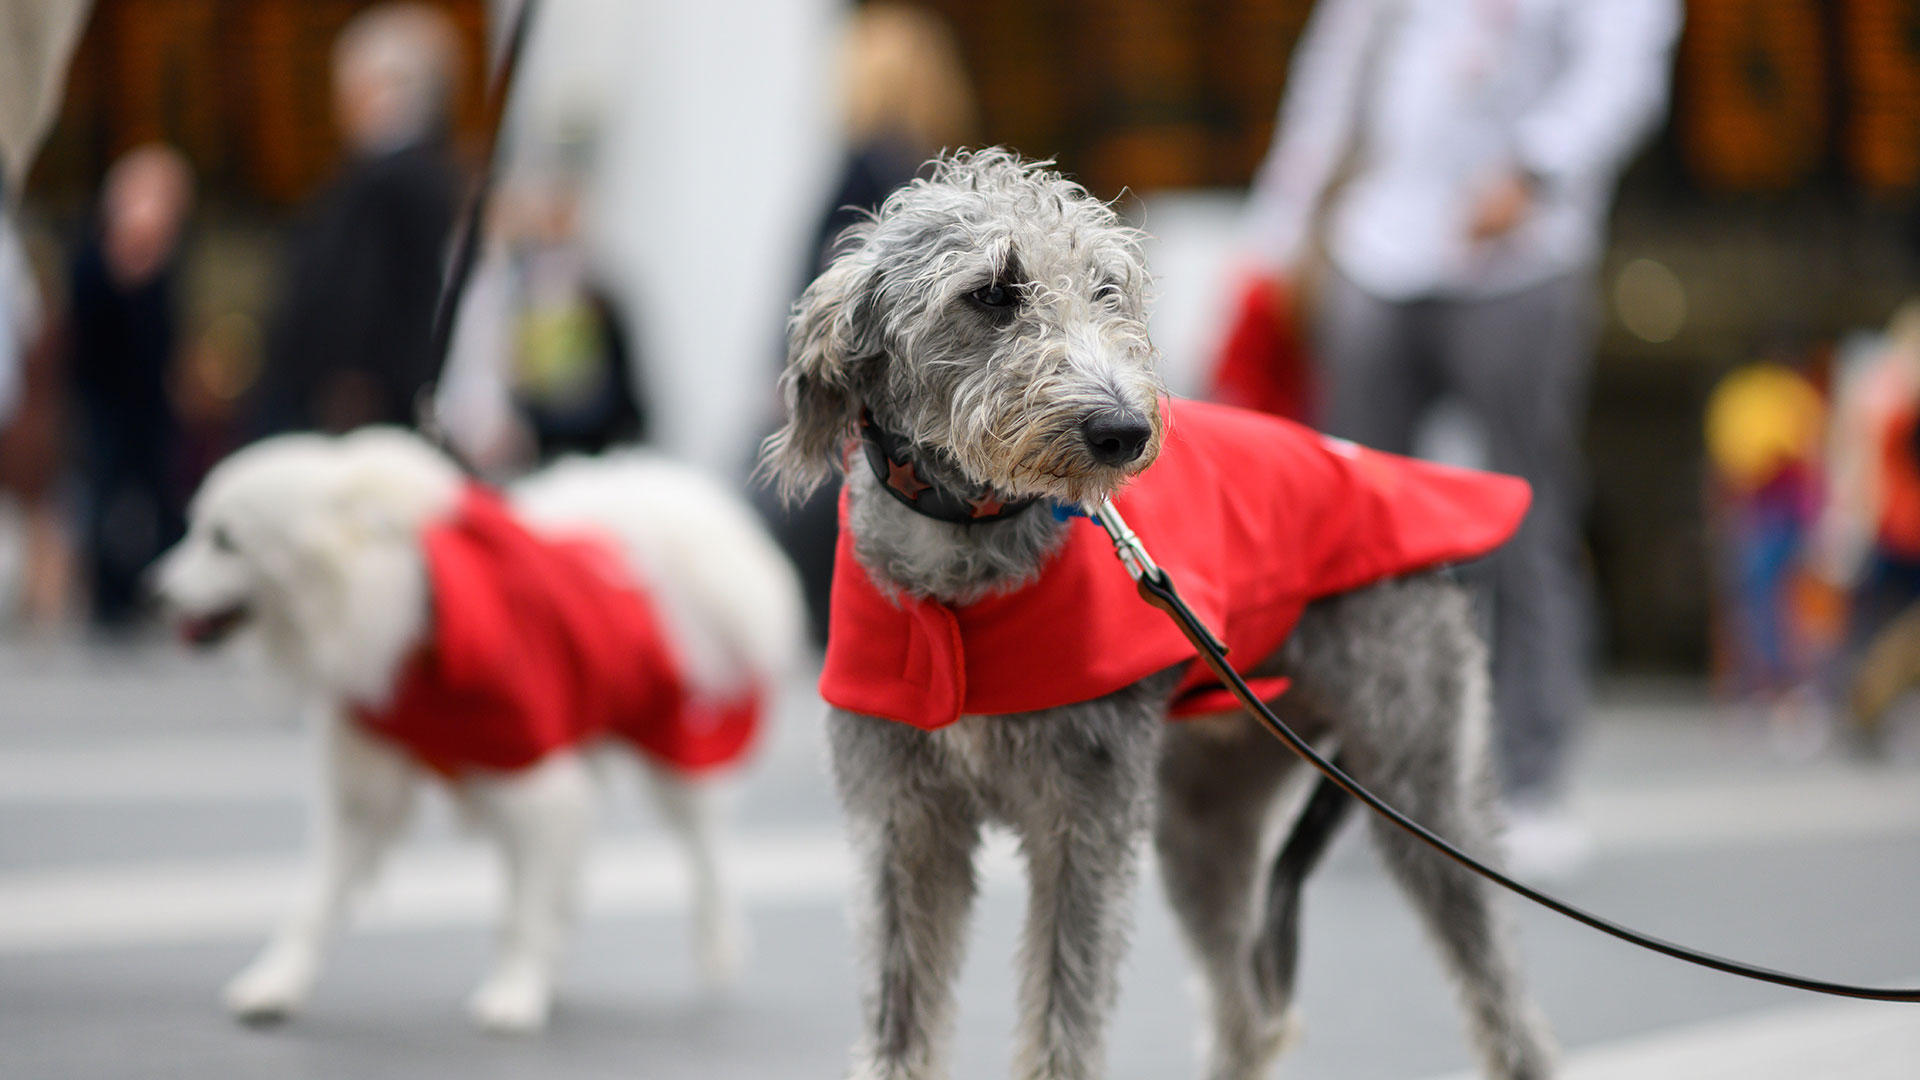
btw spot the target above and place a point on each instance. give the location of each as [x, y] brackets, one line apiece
[1519, 365]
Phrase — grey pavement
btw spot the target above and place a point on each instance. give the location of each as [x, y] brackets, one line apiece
[151, 819]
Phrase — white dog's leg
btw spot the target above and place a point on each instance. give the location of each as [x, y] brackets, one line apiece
[693, 809]
[367, 789]
[540, 818]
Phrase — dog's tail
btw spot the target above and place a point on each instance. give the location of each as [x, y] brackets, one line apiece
[1276, 951]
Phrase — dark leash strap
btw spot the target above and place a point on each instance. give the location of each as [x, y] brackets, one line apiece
[467, 240]
[1157, 588]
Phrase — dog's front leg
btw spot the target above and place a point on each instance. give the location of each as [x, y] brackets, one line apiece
[367, 789]
[540, 818]
[1081, 781]
[915, 828]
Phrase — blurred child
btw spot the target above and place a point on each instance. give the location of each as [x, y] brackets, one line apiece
[1764, 426]
[218, 366]
[542, 362]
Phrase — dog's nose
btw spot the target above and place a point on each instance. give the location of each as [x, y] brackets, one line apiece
[1116, 436]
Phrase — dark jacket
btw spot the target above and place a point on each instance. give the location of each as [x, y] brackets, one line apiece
[350, 339]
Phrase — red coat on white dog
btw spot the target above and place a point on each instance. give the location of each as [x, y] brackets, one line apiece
[540, 643]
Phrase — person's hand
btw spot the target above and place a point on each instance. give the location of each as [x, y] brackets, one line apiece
[1502, 206]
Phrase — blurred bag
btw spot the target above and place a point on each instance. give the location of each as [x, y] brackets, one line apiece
[1263, 363]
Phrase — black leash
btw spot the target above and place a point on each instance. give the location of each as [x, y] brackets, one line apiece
[1157, 588]
[466, 243]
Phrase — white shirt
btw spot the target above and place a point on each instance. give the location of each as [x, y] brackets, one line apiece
[1436, 99]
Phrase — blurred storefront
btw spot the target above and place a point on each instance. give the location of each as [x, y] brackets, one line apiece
[242, 86]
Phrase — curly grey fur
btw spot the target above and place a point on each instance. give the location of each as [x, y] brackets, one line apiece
[1395, 673]
[995, 397]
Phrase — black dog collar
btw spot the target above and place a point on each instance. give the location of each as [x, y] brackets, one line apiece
[894, 466]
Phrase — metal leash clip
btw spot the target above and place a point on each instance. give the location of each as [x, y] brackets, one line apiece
[1155, 586]
[1126, 543]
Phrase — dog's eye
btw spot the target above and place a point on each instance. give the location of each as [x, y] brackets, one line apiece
[1107, 292]
[995, 296]
[222, 540]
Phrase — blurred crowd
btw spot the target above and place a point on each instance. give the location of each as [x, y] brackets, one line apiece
[115, 410]
[1426, 231]
[1814, 497]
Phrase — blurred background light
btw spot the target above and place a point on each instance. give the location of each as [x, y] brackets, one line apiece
[1650, 300]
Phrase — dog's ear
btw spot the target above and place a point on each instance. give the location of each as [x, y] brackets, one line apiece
[830, 338]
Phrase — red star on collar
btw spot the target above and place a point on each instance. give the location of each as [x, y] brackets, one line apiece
[986, 505]
[903, 478]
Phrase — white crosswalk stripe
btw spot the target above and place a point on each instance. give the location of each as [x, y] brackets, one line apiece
[1824, 1042]
[183, 900]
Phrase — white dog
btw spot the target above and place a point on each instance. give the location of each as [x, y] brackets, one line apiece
[637, 601]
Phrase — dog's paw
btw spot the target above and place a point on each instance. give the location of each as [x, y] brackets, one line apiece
[269, 991]
[867, 1066]
[511, 1004]
[1252, 1052]
[723, 944]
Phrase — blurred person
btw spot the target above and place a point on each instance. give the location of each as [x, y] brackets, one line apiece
[541, 363]
[1764, 428]
[1455, 159]
[349, 342]
[904, 96]
[123, 330]
[32, 415]
[1870, 531]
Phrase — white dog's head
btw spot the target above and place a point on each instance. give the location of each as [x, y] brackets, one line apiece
[312, 542]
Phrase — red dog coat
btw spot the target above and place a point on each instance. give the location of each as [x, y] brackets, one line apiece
[1253, 516]
[539, 644]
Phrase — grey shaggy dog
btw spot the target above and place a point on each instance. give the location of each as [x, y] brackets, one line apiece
[995, 316]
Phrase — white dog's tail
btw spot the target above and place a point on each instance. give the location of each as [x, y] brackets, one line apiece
[728, 594]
